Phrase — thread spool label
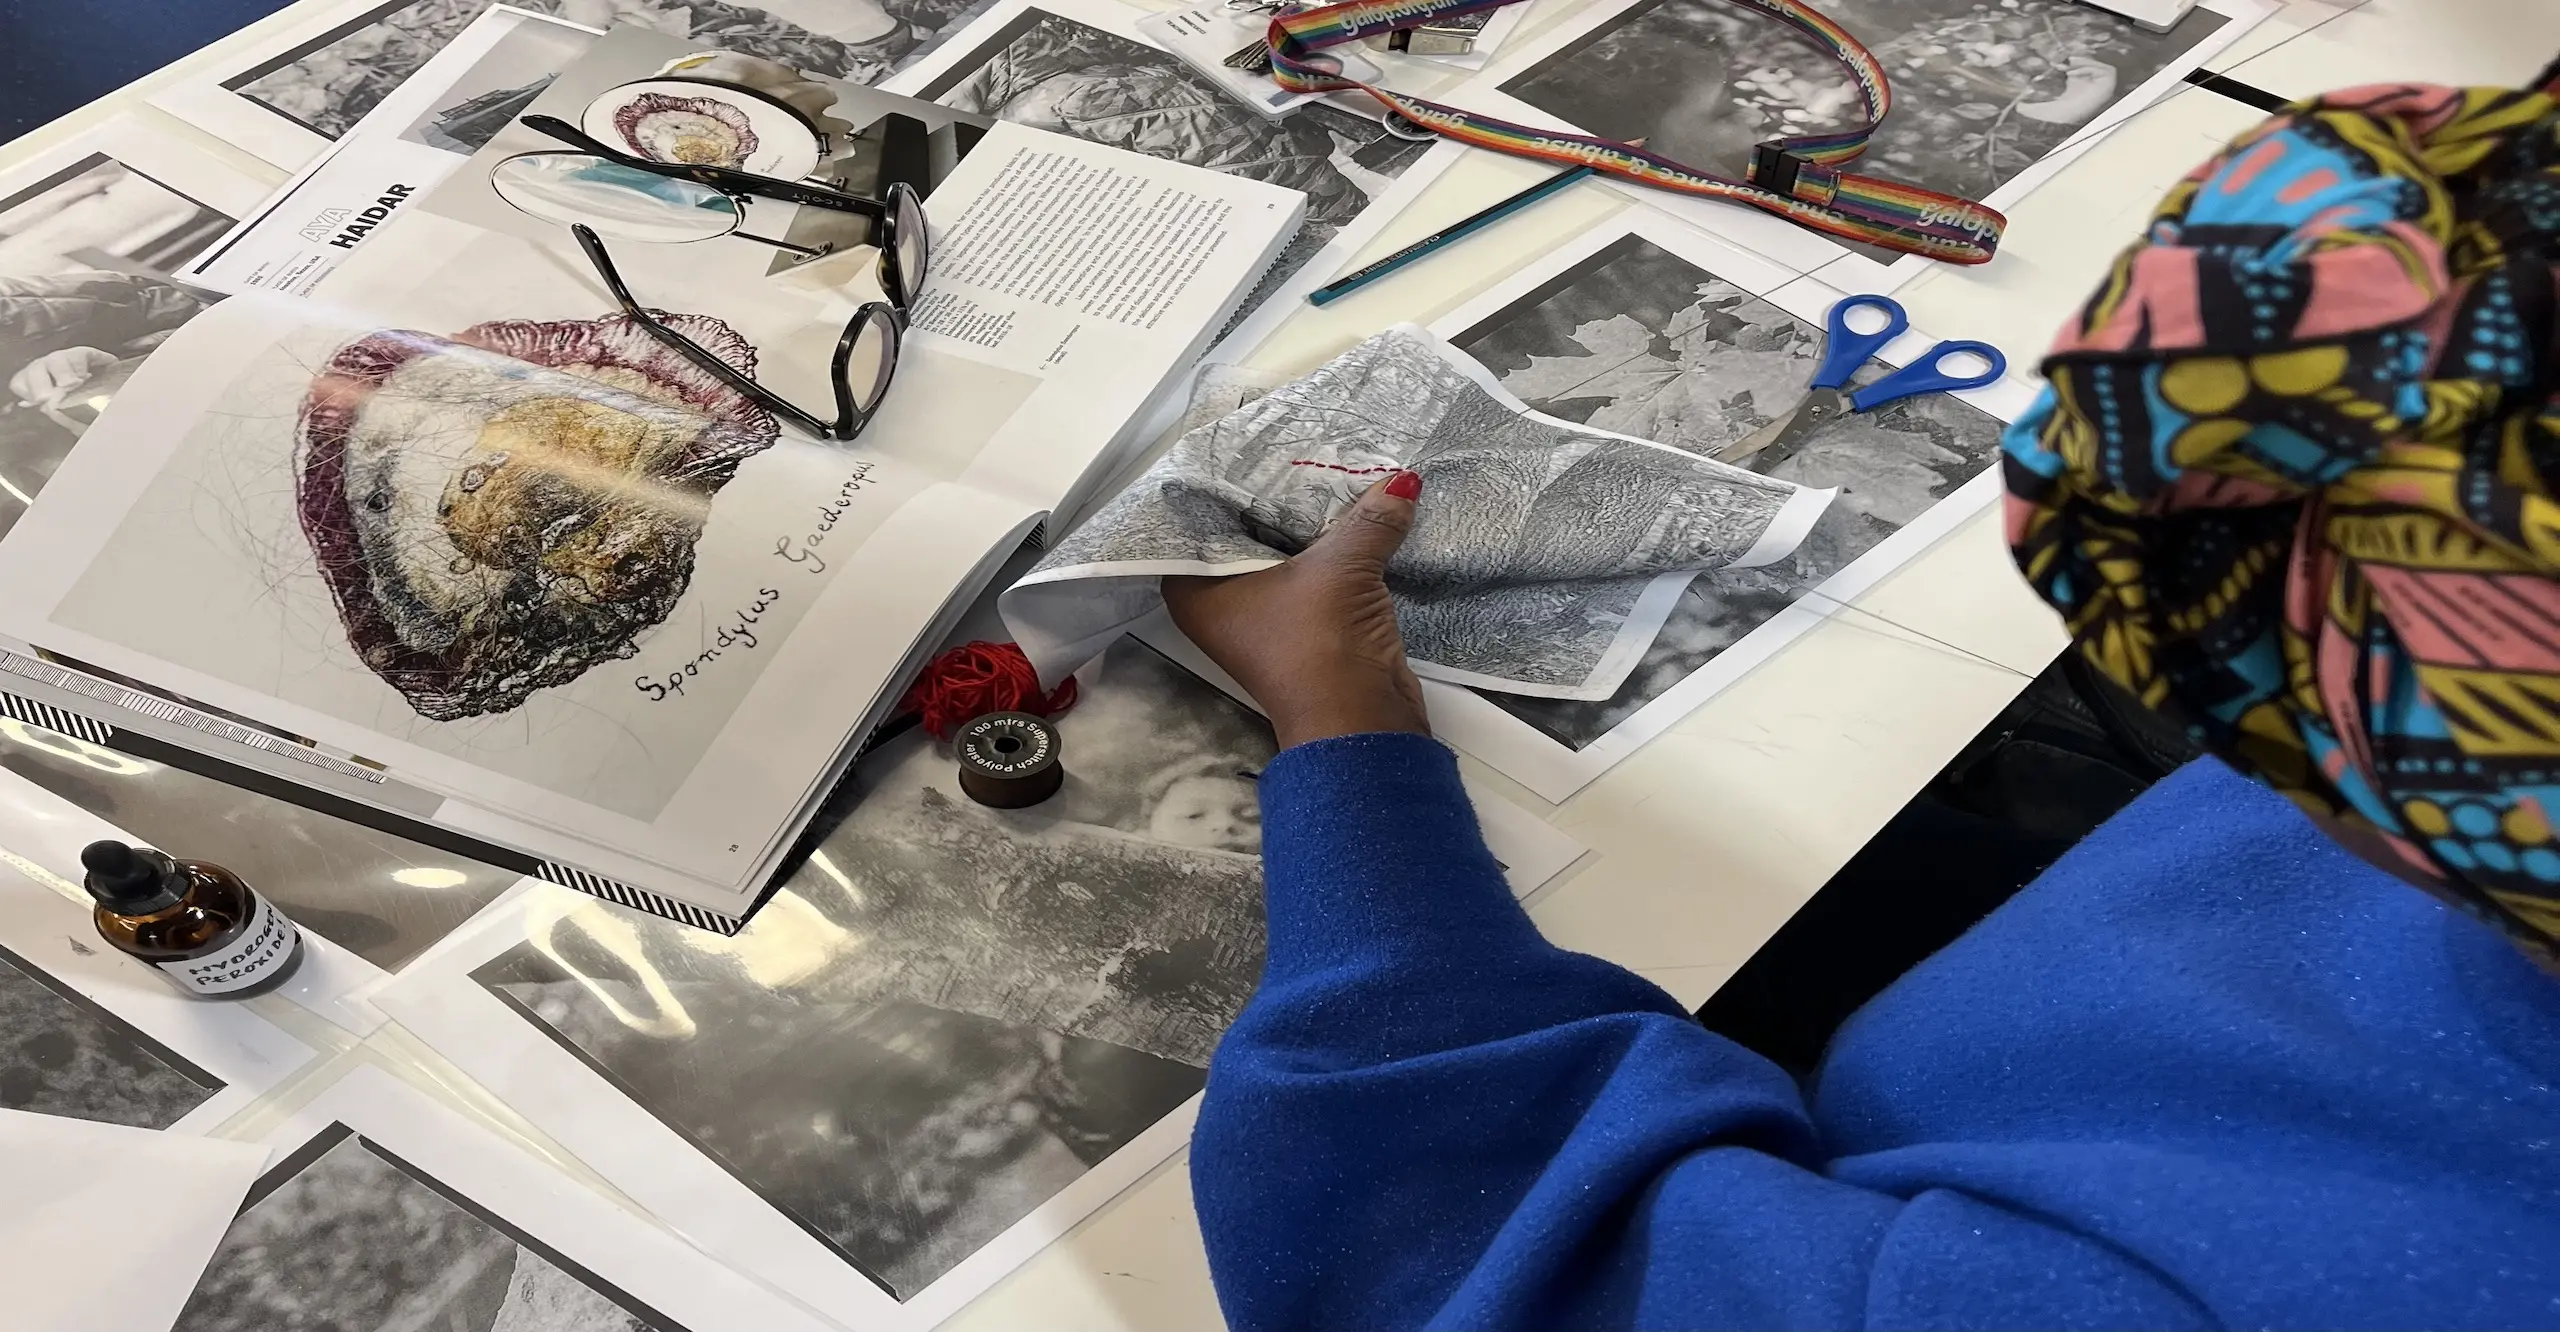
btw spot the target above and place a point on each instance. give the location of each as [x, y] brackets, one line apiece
[262, 947]
[987, 758]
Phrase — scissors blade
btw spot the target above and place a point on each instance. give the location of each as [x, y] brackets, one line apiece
[1778, 441]
[1755, 441]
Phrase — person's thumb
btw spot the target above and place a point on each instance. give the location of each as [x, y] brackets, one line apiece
[1365, 537]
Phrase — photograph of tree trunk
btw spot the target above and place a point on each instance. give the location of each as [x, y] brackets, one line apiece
[952, 1012]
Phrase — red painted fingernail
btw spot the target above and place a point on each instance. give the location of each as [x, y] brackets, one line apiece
[1406, 486]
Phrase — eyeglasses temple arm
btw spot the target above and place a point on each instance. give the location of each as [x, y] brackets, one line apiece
[695, 352]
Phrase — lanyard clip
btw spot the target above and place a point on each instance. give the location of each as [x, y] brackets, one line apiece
[1775, 169]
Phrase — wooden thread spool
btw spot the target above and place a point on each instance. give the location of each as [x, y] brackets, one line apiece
[1009, 760]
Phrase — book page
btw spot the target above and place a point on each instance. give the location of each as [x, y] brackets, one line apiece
[660, 652]
[541, 564]
[1059, 239]
[408, 143]
[1166, 250]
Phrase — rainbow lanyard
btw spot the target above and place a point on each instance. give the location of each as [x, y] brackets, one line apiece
[1797, 178]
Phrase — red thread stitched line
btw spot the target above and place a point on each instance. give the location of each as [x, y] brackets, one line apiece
[1337, 467]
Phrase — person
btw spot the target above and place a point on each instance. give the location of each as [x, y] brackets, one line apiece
[2221, 1065]
[59, 331]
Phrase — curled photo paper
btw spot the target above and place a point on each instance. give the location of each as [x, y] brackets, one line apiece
[1544, 560]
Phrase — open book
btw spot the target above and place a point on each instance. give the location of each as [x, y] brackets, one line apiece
[466, 544]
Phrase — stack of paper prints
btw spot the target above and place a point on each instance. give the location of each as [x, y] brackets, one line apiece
[473, 528]
[954, 1032]
[288, 100]
[92, 235]
[368, 901]
[382, 1209]
[1082, 68]
[1651, 327]
[1545, 562]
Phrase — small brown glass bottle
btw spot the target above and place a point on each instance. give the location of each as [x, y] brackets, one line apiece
[204, 928]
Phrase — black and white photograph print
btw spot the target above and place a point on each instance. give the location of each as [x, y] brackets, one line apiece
[498, 86]
[343, 1235]
[952, 1012]
[374, 893]
[63, 1054]
[1541, 564]
[1050, 72]
[86, 255]
[1981, 88]
[329, 84]
[1637, 339]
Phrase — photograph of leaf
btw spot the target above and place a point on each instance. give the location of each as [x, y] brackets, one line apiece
[1640, 340]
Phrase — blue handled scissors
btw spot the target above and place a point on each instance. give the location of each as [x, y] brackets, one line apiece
[1844, 349]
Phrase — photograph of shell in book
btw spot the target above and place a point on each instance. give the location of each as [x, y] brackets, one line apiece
[1981, 88]
[1637, 339]
[501, 511]
[1051, 72]
[85, 294]
[329, 84]
[950, 1013]
[497, 544]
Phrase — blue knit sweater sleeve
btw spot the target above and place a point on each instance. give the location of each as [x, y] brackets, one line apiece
[1430, 1116]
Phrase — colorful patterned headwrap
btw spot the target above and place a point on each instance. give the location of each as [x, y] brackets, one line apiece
[2295, 482]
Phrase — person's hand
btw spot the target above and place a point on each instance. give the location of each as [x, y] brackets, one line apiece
[1314, 640]
[47, 378]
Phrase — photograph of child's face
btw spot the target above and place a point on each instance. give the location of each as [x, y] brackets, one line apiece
[1217, 810]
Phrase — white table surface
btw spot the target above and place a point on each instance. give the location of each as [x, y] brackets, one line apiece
[1710, 838]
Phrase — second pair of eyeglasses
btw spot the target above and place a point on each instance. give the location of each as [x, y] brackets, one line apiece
[599, 191]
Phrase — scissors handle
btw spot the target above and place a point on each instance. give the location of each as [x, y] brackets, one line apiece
[1923, 375]
[1845, 348]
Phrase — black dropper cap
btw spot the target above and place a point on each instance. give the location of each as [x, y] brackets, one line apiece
[132, 880]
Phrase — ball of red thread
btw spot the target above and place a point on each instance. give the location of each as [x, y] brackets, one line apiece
[974, 679]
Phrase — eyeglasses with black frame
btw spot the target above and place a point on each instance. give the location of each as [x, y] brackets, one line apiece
[598, 191]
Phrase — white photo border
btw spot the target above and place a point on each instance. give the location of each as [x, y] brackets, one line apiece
[211, 101]
[163, 159]
[48, 831]
[641, 1155]
[45, 924]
